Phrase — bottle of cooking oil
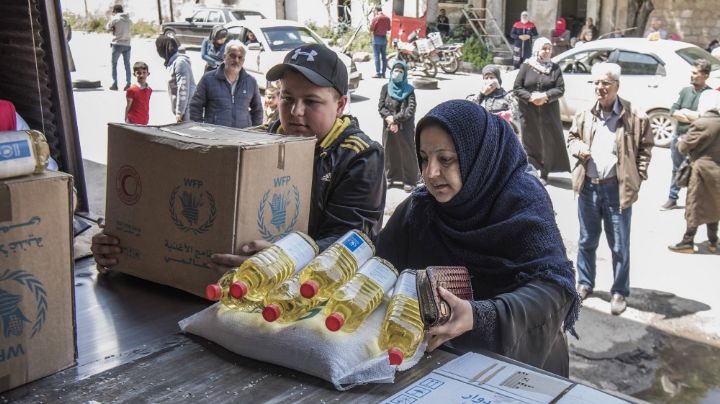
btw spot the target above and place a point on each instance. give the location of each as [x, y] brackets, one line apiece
[266, 269]
[221, 291]
[23, 152]
[350, 305]
[336, 265]
[403, 328]
[284, 303]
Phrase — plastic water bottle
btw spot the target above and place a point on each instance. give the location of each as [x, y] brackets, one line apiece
[336, 265]
[23, 152]
[350, 305]
[266, 269]
[284, 303]
[221, 292]
[403, 328]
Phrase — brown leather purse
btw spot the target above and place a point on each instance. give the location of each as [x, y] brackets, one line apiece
[433, 309]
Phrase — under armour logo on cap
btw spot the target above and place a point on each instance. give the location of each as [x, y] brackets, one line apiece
[309, 55]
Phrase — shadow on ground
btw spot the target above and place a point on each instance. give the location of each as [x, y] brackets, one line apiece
[655, 301]
[621, 355]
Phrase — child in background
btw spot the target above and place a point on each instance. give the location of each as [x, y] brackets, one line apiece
[271, 104]
[138, 96]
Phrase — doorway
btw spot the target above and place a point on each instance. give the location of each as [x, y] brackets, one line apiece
[513, 9]
[574, 12]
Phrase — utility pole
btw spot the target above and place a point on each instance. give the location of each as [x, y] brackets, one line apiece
[159, 6]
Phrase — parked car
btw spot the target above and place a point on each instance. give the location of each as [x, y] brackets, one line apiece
[194, 29]
[653, 73]
[274, 39]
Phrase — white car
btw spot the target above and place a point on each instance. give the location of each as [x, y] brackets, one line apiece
[653, 73]
[275, 38]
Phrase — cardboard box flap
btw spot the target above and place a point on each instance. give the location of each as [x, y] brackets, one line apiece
[192, 134]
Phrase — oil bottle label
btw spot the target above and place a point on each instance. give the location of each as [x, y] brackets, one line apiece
[379, 272]
[297, 248]
[356, 246]
[405, 285]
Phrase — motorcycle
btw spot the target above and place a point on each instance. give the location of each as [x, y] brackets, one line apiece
[419, 54]
[450, 57]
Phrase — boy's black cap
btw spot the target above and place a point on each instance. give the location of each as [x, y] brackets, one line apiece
[317, 63]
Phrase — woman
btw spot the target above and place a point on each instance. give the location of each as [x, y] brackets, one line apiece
[590, 25]
[522, 33]
[251, 38]
[181, 85]
[702, 145]
[493, 97]
[397, 109]
[585, 36]
[538, 87]
[480, 209]
[213, 48]
[560, 36]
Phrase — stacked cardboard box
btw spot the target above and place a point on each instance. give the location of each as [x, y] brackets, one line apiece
[37, 319]
[178, 193]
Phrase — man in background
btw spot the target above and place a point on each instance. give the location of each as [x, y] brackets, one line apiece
[379, 27]
[120, 26]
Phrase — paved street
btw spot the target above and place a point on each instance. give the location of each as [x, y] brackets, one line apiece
[674, 299]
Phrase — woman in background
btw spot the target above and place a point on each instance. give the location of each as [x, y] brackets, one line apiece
[538, 87]
[212, 49]
[397, 109]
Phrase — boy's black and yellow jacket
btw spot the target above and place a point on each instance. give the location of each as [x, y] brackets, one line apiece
[348, 190]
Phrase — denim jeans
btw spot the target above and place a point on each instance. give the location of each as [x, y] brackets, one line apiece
[677, 159]
[598, 207]
[123, 50]
[379, 44]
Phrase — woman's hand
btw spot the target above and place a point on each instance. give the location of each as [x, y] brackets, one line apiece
[460, 322]
[225, 262]
[105, 248]
[393, 128]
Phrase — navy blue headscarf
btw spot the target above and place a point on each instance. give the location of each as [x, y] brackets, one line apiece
[502, 221]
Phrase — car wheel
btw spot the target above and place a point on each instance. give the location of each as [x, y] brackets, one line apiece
[662, 127]
[169, 33]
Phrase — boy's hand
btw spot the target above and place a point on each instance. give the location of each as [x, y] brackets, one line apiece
[178, 118]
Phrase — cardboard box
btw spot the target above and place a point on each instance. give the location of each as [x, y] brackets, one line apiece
[178, 193]
[37, 316]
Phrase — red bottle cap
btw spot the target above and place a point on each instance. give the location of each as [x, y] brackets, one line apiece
[334, 321]
[271, 312]
[396, 356]
[238, 290]
[309, 289]
[213, 292]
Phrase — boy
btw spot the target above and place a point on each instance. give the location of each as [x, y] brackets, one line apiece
[272, 96]
[348, 190]
[138, 96]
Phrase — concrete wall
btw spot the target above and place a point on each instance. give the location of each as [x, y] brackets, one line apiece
[696, 21]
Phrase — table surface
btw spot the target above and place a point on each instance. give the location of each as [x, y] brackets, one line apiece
[130, 349]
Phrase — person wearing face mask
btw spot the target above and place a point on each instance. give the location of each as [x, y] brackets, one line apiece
[397, 109]
[228, 95]
[538, 87]
[493, 97]
[481, 209]
[523, 32]
[181, 85]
